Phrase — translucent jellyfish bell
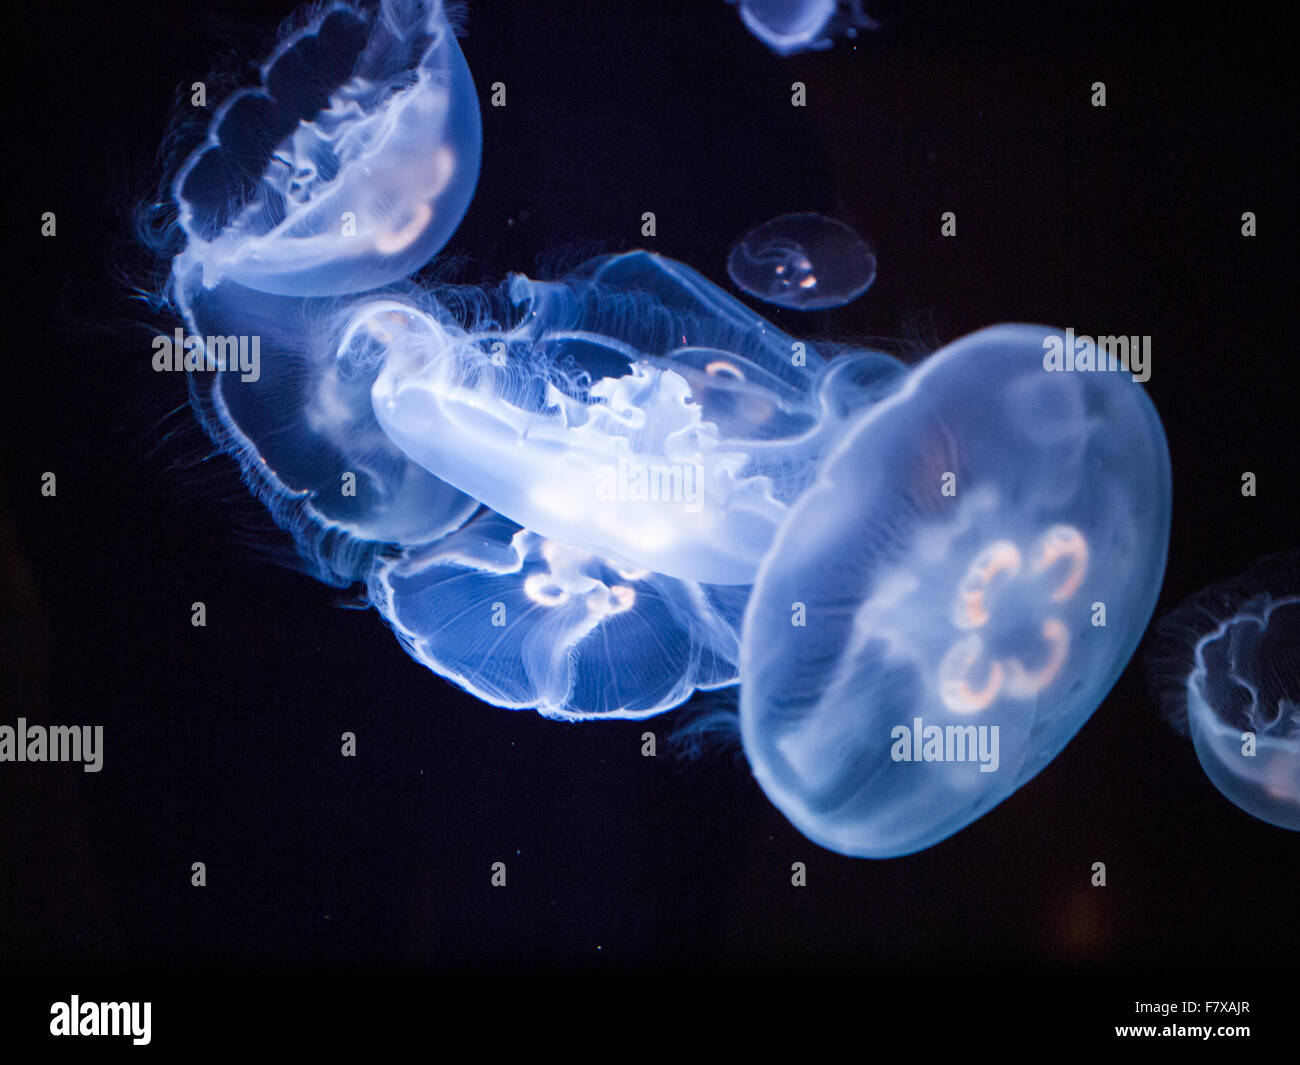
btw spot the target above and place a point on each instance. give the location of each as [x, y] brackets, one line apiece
[807, 262]
[1226, 665]
[347, 168]
[789, 26]
[635, 411]
[303, 430]
[951, 599]
[522, 621]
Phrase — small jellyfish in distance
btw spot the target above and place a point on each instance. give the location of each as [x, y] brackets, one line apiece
[954, 595]
[1225, 666]
[790, 26]
[806, 262]
[347, 168]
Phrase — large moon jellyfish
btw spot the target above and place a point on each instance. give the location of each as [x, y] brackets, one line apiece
[807, 262]
[347, 168]
[636, 411]
[1226, 665]
[953, 597]
[789, 26]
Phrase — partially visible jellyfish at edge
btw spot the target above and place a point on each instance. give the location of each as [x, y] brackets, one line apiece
[955, 594]
[1225, 666]
[806, 262]
[790, 26]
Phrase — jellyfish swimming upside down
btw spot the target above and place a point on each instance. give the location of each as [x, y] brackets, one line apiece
[954, 595]
[348, 167]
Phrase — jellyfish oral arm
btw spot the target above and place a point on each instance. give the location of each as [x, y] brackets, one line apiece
[631, 473]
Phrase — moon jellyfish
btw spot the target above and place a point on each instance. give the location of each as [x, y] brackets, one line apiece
[789, 26]
[1226, 665]
[948, 603]
[522, 621]
[804, 261]
[347, 168]
[635, 411]
[306, 438]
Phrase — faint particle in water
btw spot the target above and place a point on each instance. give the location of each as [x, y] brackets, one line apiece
[804, 261]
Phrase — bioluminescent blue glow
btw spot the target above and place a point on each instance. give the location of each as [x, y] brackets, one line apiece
[984, 549]
[1226, 665]
[656, 375]
[789, 26]
[525, 622]
[804, 261]
[597, 494]
[347, 168]
[306, 437]
[636, 411]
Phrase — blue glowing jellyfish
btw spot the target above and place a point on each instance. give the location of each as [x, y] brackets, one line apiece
[558, 492]
[789, 26]
[953, 597]
[1226, 665]
[522, 621]
[804, 261]
[359, 404]
[634, 410]
[347, 168]
[304, 433]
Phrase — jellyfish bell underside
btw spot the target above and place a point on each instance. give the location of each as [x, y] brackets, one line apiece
[525, 622]
[953, 597]
[805, 262]
[349, 166]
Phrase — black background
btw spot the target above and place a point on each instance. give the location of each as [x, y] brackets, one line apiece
[222, 743]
